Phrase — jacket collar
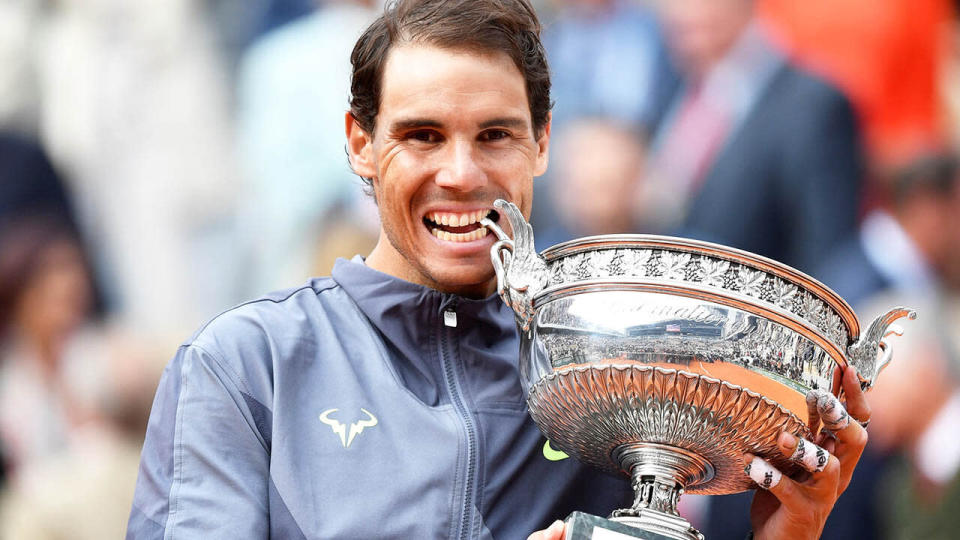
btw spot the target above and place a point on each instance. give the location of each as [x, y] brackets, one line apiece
[410, 316]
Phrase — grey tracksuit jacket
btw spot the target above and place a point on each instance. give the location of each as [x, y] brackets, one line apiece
[356, 406]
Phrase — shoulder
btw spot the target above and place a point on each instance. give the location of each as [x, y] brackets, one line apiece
[849, 272]
[273, 312]
[254, 337]
[794, 86]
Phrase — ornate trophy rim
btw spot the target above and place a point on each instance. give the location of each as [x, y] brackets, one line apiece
[708, 249]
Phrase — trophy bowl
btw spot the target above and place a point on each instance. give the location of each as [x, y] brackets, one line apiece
[666, 359]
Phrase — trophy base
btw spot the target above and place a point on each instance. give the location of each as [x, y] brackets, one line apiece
[581, 526]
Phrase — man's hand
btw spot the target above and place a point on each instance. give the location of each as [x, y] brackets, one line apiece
[553, 532]
[797, 508]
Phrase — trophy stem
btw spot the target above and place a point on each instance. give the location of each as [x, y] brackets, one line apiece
[659, 474]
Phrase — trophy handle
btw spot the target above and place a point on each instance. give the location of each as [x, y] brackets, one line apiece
[521, 271]
[872, 353]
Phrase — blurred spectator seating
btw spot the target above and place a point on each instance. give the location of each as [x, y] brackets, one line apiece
[83, 491]
[607, 60]
[29, 184]
[755, 153]
[135, 113]
[46, 295]
[294, 92]
[916, 411]
[597, 164]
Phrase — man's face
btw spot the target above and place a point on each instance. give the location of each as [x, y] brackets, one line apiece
[700, 32]
[453, 134]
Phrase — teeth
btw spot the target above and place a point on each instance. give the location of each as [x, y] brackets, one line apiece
[460, 237]
[457, 220]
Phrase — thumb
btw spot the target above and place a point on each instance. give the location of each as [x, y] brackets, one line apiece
[553, 532]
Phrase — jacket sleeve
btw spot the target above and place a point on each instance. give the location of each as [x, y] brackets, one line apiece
[204, 470]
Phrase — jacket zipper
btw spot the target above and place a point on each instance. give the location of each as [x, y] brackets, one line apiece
[456, 396]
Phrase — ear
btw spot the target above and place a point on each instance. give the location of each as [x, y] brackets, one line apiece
[359, 148]
[543, 148]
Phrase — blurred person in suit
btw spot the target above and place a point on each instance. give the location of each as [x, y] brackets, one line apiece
[608, 58]
[293, 82]
[754, 152]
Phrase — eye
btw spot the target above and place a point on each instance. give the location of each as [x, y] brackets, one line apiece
[494, 135]
[424, 136]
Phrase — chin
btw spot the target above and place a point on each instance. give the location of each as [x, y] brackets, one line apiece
[467, 280]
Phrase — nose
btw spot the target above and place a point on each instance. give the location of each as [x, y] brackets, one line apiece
[460, 169]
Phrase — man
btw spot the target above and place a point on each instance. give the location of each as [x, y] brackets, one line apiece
[384, 402]
[754, 153]
[910, 244]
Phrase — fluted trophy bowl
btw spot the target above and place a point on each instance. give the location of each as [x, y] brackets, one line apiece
[666, 359]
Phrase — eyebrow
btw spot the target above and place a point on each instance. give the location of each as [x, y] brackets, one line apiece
[512, 122]
[413, 123]
[403, 124]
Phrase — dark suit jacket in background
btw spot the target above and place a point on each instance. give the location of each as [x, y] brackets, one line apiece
[786, 184]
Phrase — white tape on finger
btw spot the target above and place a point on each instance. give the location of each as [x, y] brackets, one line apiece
[832, 412]
[764, 474]
[810, 456]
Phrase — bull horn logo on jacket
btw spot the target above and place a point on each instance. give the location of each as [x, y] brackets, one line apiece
[340, 428]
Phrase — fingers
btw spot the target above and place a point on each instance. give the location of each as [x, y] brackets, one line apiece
[763, 473]
[842, 425]
[813, 414]
[837, 380]
[553, 532]
[832, 413]
[857, 404]
[821, 485]
[808, 455]
[767, 477]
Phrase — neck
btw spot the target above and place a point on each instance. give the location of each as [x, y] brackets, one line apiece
[385, 259]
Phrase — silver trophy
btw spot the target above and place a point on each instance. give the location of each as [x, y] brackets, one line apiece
[666, 359]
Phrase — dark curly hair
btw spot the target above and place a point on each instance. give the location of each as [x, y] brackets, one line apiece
[507, 26]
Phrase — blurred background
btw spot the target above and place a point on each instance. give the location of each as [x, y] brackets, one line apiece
[162, 160]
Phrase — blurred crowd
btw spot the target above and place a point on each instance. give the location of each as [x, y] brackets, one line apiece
[162, 160]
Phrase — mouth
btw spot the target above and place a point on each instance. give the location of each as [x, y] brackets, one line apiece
[459, 226]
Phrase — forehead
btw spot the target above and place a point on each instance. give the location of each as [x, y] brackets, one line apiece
[428, 81]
